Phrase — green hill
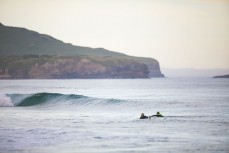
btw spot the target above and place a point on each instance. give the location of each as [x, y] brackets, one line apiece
[20, 41]
[16, 43]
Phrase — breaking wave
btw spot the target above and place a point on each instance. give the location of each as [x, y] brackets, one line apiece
[43, 99]
[5, 101]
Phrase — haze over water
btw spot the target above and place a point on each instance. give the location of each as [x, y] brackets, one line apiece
[178, 33]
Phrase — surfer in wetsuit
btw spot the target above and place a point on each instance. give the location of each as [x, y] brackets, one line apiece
[157, 115]
[143, 116]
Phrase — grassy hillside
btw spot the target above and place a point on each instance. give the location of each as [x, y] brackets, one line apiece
[19, 42]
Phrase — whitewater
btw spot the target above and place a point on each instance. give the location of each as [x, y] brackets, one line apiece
[102, 115]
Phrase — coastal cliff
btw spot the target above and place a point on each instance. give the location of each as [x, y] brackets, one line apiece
[26, 54]
[66, 67]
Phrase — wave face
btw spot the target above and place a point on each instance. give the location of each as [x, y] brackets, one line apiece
[53, 99]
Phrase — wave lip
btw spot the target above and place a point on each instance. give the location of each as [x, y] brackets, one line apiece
[59, 100]
[47, 98]
[54, 99]
[23, 100]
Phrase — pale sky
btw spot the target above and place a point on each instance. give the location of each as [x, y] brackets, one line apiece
[178, 33]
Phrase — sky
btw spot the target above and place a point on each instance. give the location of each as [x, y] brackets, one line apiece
[178, 33]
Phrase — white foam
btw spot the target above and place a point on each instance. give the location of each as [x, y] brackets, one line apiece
[5, 101]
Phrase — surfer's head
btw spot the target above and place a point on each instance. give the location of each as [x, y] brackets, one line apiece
[158, 112]
[142, 114]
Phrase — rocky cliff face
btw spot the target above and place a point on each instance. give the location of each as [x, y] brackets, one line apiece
[66, 67]
[28, 54]
[153, 66]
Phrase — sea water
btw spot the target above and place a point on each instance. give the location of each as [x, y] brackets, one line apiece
[83, 116]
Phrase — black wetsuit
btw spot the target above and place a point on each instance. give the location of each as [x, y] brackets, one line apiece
[143, 117]
[158, 115]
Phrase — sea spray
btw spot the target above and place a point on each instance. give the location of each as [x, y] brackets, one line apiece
[5, 101]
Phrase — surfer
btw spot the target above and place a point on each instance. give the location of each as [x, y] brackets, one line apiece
[157, 115]
[143, 116]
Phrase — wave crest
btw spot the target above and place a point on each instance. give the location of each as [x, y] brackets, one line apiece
[45, 98]
[55, 99]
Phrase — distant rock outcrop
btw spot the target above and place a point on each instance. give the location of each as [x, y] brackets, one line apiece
[28, 54]
[222, 76]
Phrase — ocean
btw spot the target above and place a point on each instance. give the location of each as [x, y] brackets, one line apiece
[102, 115]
